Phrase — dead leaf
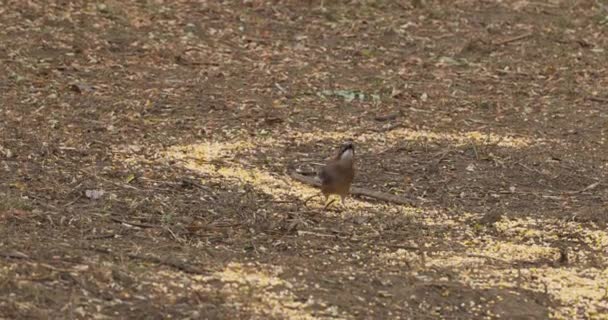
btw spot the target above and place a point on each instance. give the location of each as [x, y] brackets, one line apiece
[80, 87]
[94, 194]
[130, 178]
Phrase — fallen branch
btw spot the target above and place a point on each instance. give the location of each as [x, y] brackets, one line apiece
[135, 224]
[481, 256]
[171, 262]
[101, 236]
[389, 128]
[596, 99]
[387, 117]
[355, 191]
[304, 232]
[520, 37]
[587, 188]
[14, 255]
[404, 247]
[181, 266]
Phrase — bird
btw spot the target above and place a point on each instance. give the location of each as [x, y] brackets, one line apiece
[338, 173]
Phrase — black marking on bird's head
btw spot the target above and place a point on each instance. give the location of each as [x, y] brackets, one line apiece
[347, 151]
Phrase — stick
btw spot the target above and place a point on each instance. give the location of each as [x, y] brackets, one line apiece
[355, 191]
[443, 155]
[311, 197]
[596, 99]
[170, 262]
[386, 117]
[14, 255]
[520, 37]
[101, 236]
[389, 128]
[135, 224]
[587, 188]
[304, 232]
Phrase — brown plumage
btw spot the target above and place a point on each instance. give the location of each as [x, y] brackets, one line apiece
[337, 175]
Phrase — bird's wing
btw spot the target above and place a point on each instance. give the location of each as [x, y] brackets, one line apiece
[334, 173]
[329, 173]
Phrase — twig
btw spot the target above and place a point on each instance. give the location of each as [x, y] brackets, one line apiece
[165, 262]
[404, 247]
[389, 128]
[355, 191]
[587, 188]
[280, 88]
[108, 180]
[304, 232]
[178, 239]
[48, 266]
[443, 155]
[387, 117]
[73, 201]
[311, 197]
[475, 149]
[520, 37]
[329, 203]
[169, 263]
[486, 257]
[135, 224]
[596, 99]
[101, 236]
[306, 179]
[196, 184]
[14, 255]
[528, 168]
[281, 201]
[183, 183]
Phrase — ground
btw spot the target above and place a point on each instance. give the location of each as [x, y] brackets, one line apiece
[146, 149]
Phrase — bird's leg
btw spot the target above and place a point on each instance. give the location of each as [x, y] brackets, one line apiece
[328, 203]
[342, 200]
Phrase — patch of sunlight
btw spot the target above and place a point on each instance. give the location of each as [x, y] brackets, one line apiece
[454, 261]
[167, 285]
[524, 229]
[260, 290]
[485, 261]
[586, 289]
[519, 229]
[382, 138]
[577, 290]
[257, 289]
[513, 253]
[197, 157]
[454, 229]
[6, 269]
[244, 141]
[491, 253]
[200, 158]
[410, 134]
[433, 218]
[460, 138]
[402, 258]
[211, 150]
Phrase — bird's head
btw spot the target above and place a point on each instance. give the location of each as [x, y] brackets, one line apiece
[347, 151]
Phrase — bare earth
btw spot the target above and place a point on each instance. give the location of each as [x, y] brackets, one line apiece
[146, 147]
